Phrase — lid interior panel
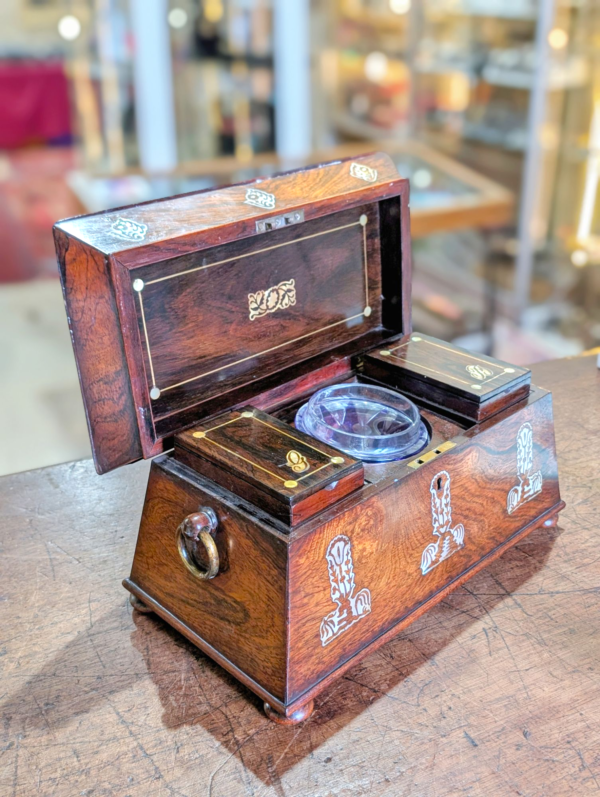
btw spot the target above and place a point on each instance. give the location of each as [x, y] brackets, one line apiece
[225, 316]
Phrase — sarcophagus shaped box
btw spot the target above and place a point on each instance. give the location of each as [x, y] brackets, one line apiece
[200, 325]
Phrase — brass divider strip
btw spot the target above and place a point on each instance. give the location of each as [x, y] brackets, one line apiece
[312, 473]
[220, 425]
[295, 439]
[260, 353]
[254, 464]
[139, 293]
[433, 371]
[491, 379]
[366, 266]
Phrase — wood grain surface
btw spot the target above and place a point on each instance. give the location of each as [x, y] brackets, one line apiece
[493, 692]
[95, 331]
[242, 613]
[390, 530]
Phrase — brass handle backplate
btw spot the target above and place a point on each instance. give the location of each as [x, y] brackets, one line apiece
[196, 543]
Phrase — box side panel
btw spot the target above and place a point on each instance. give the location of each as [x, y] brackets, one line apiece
[357, 576]
[241, 611]
[397, 265]
[99, 353]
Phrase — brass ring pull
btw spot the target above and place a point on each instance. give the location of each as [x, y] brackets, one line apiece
[195, 542]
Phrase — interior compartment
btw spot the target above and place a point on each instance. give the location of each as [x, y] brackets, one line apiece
[284, 405]
[444, 375]
[442, 428]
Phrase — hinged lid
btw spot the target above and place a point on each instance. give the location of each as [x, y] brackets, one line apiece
[269, 463]
[185, 306]
[448, 376]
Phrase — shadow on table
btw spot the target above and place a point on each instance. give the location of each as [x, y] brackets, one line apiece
[204, 693]
[98, 664]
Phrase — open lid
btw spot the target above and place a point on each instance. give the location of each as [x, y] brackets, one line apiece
[182, 307]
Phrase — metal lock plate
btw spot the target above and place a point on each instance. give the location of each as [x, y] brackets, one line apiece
[432, 454]
[279, 222]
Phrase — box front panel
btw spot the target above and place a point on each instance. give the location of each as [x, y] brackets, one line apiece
[360, 574]
[225, 316]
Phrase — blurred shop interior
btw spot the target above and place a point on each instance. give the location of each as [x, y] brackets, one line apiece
[490, 107]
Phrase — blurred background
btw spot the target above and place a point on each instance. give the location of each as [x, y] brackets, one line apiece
[490, 107]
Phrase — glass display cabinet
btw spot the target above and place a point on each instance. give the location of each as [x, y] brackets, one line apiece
[506, 88]
[492, 84]
[220, 76]
[573, 262]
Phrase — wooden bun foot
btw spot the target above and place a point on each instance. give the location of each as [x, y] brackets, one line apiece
[139, 605]
[551, 522]
[300, 715]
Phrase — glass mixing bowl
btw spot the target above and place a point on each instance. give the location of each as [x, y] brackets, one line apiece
[368, 422]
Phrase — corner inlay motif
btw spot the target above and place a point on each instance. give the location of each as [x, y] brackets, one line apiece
[362, 172]
[530, 483]
[129, 230]
[260, 199]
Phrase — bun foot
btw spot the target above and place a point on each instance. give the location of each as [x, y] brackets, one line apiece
[300, 715]
[551, 522]
[139, 605]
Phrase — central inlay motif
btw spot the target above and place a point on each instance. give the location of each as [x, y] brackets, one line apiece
[449, 539]
[279, 297]
[296, 461]
[479, 372]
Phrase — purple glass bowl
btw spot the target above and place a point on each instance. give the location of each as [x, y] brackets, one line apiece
[368, 422]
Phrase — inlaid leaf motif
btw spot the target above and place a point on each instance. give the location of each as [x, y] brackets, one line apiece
[525, 450]
[279, 297]
[449, 539]
[529, 482]
[350, 607]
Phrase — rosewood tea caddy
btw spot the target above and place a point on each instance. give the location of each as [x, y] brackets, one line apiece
[200, 325]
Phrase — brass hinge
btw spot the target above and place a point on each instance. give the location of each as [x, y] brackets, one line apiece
[429, 455]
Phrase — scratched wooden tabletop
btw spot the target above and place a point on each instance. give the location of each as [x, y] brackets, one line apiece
[494, 692]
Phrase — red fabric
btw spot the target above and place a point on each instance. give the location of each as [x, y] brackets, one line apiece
[34, 103]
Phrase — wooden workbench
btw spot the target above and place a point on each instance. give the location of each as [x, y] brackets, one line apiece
[494, 692]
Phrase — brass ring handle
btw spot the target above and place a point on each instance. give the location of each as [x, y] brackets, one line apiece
[195, 532]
